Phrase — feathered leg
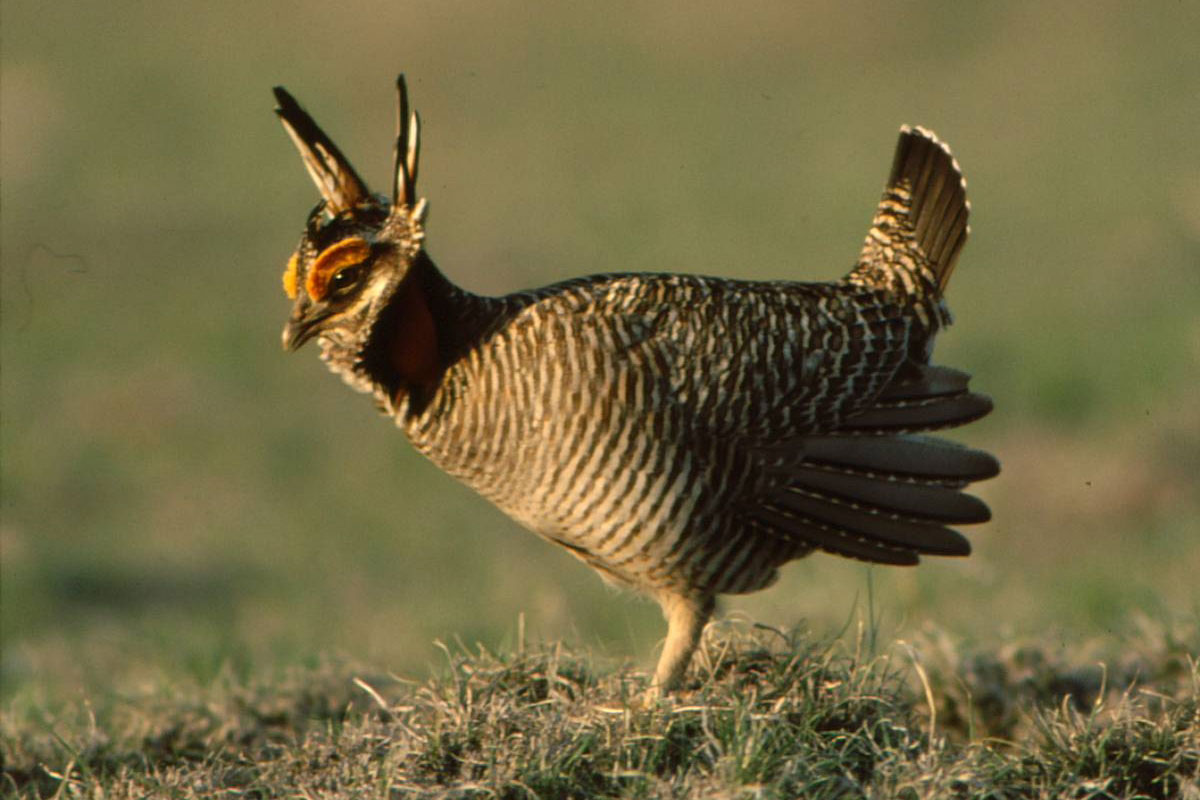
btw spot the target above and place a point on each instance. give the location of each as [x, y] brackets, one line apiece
[686, 616]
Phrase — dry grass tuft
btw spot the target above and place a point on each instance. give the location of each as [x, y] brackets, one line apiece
[766, 714]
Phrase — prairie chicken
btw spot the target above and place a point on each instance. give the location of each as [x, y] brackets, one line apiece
[685, 436]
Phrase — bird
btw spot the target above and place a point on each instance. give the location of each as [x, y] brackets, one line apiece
[683, 435]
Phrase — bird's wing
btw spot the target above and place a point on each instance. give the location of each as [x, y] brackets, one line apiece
[819, 399]
[761, 363]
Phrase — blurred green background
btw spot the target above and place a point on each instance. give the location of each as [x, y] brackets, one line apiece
[179, 494]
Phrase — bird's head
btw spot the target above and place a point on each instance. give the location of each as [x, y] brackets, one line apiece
[357, 248]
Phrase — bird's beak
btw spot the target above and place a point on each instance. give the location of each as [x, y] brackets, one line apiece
[299, 330]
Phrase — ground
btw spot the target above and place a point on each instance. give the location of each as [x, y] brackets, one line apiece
[764, 715]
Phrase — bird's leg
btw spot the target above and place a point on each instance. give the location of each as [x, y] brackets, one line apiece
[686, 616]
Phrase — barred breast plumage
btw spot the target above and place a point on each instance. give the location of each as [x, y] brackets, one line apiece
[683, 435]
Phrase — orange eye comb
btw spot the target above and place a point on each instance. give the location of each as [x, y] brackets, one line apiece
[347, 252]
[290, 276]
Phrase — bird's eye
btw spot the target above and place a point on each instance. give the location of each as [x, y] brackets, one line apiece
[345, 279]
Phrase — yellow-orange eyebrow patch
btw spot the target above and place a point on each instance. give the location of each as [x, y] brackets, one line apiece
[290, 277]
[349, 251]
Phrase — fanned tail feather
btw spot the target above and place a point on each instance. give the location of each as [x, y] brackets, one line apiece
[920, 224]
[879, 490]
[929, 398]
[937, 206]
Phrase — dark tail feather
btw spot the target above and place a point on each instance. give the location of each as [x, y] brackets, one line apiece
[922, 458]
[937, 206]
[892, 496]
[919, 415]
[927, 399]
[874, 490]
[788, 524]
[921, 222]
[925, 380]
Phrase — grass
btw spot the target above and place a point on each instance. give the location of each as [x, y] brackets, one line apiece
[766, 715]
[189, 518]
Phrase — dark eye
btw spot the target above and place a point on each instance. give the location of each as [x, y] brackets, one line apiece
[345, 279]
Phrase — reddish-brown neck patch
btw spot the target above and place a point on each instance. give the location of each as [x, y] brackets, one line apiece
[414, 351]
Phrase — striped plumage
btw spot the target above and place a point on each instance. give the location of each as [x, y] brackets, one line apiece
[683, 435]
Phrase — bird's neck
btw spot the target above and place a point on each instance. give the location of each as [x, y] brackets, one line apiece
[426, 329]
